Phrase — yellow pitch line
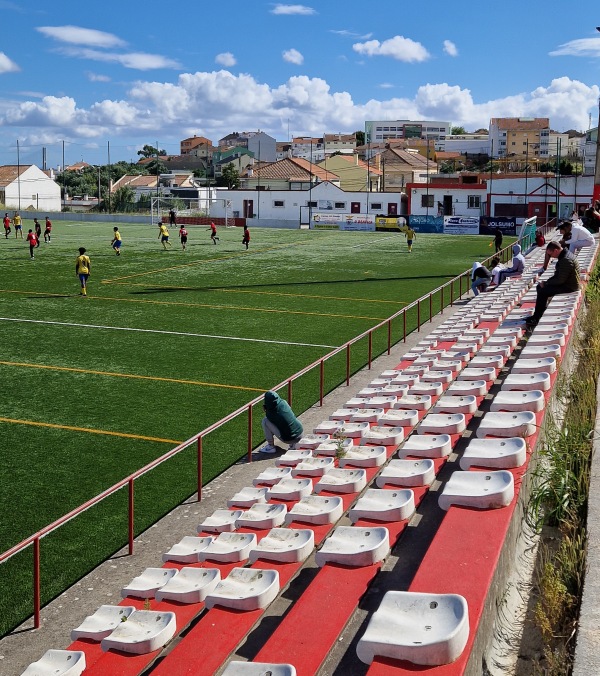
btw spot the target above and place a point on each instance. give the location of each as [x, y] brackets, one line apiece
[128, 375]
[71, 428]
[204, 305]
[187, 265]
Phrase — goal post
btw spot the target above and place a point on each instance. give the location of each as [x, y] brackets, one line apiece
[160, 206]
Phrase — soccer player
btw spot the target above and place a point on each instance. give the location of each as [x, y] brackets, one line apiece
[183, 234]
[213, 233]
[116, 241]
[246, 236]
[48, 230]
[410, 235]
[6, 222]
[83, 267]
[33, 242]
[38, 229]
[18, 225]
[163, 235]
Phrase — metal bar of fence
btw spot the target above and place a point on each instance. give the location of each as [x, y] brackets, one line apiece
[389, 337]
[250, 444]
[289, 397]
[451, 292]
[36, 583]
[370, 357]
[131, 519]
[418, 316]
[348, 364]
[442, 301]
[430, 307]
[460, 286]
[321, 381]
[404, 324]
[199, 464]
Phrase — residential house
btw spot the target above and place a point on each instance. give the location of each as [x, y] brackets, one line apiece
[446, 198]
[400, 167]
[199, 146]
[283, 150]
[142, 185]
[26, 186]
[473, 144]
[238, 157]
[558, 144]
[291, 173]
[339, 143]
[520, 137]
[308, 148]
[263, 146]
[78, 167]
[355, 174]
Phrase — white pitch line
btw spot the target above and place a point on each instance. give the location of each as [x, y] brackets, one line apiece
[170, 333]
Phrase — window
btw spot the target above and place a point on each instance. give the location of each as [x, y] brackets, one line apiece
[278, 203]
[474, 201]
[312, 205]
[339, 205]
[513, 143]
[426, 201]
[376, 206]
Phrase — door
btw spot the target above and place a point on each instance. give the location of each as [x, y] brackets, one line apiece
[248, 208]
[355, 207]
[447, 205]
[392, 209]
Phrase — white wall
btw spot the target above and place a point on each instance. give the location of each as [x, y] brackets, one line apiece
[36, 191]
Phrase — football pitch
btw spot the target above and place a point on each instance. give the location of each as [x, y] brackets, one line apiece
[166, 343]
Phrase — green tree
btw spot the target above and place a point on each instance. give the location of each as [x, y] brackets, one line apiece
[230, 177]
[457, 130]
[150, 151]
[123, 199]
[156, 167]
[360, 138]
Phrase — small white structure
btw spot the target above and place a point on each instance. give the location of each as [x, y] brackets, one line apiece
[28, 187]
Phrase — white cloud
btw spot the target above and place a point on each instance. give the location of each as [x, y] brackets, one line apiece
[351, 34]
[95, 77]
[76, 35]
[293, 9]
[583, 47]
[398, 47]
[7, 65]
[386, 85]
[225, 102]
[293, 56]
[450, 48]
[226, 59]
[134, 60]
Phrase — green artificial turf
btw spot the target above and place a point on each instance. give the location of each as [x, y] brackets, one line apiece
[292, 297]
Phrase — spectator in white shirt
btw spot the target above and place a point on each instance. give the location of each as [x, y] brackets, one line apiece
[575, 236]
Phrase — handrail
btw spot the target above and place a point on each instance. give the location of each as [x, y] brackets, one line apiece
[197, 438]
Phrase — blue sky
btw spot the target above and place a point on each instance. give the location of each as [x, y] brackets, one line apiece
[88, 74]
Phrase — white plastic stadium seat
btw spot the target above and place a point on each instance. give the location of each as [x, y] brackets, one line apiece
[425, 629]
[494, 453]
[144, 586]
[286, 545]
[426, 446]
[482, 490]
[188, 549]
[316, 509]
[231, 547]
[384, 505]
[190, 585]
[407, 473]
[58, 663]
[144, 632]
[354, 546]
[103, 622]
[245, 589]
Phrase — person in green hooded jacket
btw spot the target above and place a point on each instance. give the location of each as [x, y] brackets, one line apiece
[280, 422]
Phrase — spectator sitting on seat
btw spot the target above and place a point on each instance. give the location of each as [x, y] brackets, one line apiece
[480, 278]
[517, 266]
[279, 422]
[564, 280]
[496, 268]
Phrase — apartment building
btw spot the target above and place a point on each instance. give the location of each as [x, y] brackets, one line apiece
[520, 137]
[377, 131]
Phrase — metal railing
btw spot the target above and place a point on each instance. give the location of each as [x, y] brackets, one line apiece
[426, 301]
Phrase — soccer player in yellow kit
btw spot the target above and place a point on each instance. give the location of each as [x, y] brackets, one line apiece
[116, 241]
[83, 268]
[410, 235]
[164, 236]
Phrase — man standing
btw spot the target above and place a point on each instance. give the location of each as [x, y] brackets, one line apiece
[33, 242]
[498, 237]
[18, 225]
[410, 235]
[163, 235]
[6, 222]
[564, 280]
[83, 268]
